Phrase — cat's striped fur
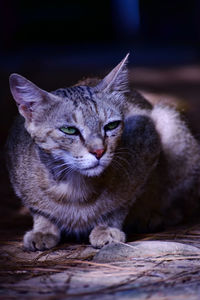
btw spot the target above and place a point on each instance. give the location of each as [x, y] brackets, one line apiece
[144, 171]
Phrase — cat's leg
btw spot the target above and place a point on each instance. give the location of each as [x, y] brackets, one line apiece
[44, 235]
[109, 231]
[102, 235]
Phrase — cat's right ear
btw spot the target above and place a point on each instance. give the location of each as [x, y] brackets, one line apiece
[26, 94]
[116, 80]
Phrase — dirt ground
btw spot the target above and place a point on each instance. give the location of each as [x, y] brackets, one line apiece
[165, 265]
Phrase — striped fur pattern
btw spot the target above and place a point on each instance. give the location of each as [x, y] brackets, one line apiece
[126, 163]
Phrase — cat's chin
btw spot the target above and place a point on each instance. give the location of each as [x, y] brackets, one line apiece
[93, 172]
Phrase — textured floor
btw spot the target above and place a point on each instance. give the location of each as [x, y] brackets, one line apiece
[160, 266]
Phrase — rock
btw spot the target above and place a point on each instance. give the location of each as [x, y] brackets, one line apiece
[121, 251]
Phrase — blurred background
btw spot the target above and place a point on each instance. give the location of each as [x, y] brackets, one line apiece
[56, 43]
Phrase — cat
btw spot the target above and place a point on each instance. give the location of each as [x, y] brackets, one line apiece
[96, 157]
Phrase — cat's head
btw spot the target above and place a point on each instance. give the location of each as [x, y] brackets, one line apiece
[79, 126]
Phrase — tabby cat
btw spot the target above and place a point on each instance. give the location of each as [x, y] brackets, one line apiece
[96, 157]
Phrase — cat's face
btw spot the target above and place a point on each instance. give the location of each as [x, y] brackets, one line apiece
[79, 126]
[83, 134]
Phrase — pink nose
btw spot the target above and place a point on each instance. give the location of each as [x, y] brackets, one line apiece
[98, 152]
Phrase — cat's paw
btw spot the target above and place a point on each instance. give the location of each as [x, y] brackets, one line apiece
[40, 241]
[103, 235]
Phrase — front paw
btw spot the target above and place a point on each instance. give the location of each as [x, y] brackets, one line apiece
[103, 235]
[40, 241]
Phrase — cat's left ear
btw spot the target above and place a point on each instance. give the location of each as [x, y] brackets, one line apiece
[27, 95]
[116, 80]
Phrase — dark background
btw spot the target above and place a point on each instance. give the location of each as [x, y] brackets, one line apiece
[56, 43]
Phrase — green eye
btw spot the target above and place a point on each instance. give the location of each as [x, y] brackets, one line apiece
[69, 130]
[112, 125]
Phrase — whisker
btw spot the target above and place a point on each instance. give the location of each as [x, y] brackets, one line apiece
[61, 169]
[126, 151]
[120, 165]
[126, 161]
[66, 172]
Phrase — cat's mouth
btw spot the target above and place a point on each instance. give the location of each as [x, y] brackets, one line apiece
[93, 170]
[96, 165]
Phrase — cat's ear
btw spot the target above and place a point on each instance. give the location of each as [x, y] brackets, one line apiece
[26, 94]
[116, 80]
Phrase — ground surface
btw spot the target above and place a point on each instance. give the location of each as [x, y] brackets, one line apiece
[155, 266]
[160, 266]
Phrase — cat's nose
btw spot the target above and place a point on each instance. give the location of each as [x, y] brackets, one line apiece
[98, 152]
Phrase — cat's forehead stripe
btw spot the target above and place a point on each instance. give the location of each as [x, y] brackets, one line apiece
[79, 117]
[74, 117]
[88, 110]
[80, 93]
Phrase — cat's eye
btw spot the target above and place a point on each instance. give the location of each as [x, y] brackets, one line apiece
[111, 125]
[69, 130]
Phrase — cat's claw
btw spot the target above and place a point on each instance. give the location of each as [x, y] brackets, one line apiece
[34, 241]
[103, 235]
